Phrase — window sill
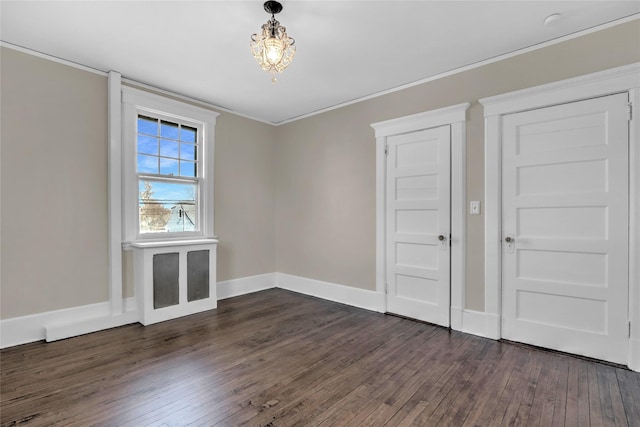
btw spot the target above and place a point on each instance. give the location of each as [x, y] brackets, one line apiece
[127, 246]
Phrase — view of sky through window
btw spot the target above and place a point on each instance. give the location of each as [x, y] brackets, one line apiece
[167, 150]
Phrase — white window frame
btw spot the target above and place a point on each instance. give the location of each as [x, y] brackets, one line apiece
[136, 102]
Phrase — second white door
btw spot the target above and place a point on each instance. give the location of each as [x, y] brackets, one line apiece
[565, 227]
[418, 225]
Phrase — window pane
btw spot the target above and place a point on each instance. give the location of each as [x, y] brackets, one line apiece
[147, 145]
[147, 125]
[169, 148]
[188, 134]
[147, 164]
[187, 152]
[187, 168]
[167, 206]
[169, 130]
[168, 166]
[183, 218]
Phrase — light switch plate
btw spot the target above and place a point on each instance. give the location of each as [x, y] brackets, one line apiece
[475, 207]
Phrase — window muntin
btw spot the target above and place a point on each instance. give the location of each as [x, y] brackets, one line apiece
[166, 148]
[167, 168]
[187, 156]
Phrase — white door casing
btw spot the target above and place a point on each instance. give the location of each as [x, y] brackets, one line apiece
[565, 227]
[616, 80]
[455, 117]
[418, 225]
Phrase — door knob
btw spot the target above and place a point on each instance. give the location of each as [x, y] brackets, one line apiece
[511, 243]
[444, 243]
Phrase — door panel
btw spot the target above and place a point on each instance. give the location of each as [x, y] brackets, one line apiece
[418, 212]
[565, 207]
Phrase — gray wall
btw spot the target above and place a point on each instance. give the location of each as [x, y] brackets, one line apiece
[54, 185]
[54, 189]
[325, 182]
[244, 197]
[299, 198]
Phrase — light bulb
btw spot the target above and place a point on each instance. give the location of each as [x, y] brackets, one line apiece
[274, 50]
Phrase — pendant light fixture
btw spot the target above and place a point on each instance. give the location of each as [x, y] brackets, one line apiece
[273, 48]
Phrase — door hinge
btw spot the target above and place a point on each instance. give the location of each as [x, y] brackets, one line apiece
[386, 288]
[629, 329]
[629, 111]
[386, 150]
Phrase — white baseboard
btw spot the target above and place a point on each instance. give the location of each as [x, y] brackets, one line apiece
[25, 329]
[475, 322]
[73, 329]
[634, 354]
[356, 297]
[456, 318]
[493, 326]
[66, 323]
[472, 322]
[70, 322]
[245, 285]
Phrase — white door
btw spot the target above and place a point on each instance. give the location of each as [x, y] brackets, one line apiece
[565, 227]
[418, 225]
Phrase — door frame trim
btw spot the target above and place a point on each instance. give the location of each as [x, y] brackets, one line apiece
[454, 116]
[615, 80]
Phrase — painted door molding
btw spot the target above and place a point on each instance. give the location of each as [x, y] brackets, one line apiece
[455, 116]
[616, 80]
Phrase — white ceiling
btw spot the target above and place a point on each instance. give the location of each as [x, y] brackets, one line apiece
[346, 49]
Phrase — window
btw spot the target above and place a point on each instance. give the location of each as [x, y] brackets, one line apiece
[167, 172]
[168, 167]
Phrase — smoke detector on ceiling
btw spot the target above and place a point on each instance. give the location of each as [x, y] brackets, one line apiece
[552, 19]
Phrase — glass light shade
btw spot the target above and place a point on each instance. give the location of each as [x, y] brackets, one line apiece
[273, 49]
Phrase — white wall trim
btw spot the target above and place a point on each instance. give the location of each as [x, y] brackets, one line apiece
[128, 81]
[164, 105]
[356, 297]
[25, 329]
[458, 216]
[55, 332]
[493, 216]
[381, 212]
[342, 104]
[205, 104]
[52, 58]
[634, 230]
[114, 171]
[70, 322]
[466, 68]
[135, 101]
[74, 321]
[454, 116]
[473, 322]
[616, 80]
[419, 121]
[634, 354]
[619, 79]
[246, 285]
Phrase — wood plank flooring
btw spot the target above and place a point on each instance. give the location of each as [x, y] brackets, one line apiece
[276, 358]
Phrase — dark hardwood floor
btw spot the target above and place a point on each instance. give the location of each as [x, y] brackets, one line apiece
[276, 358]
